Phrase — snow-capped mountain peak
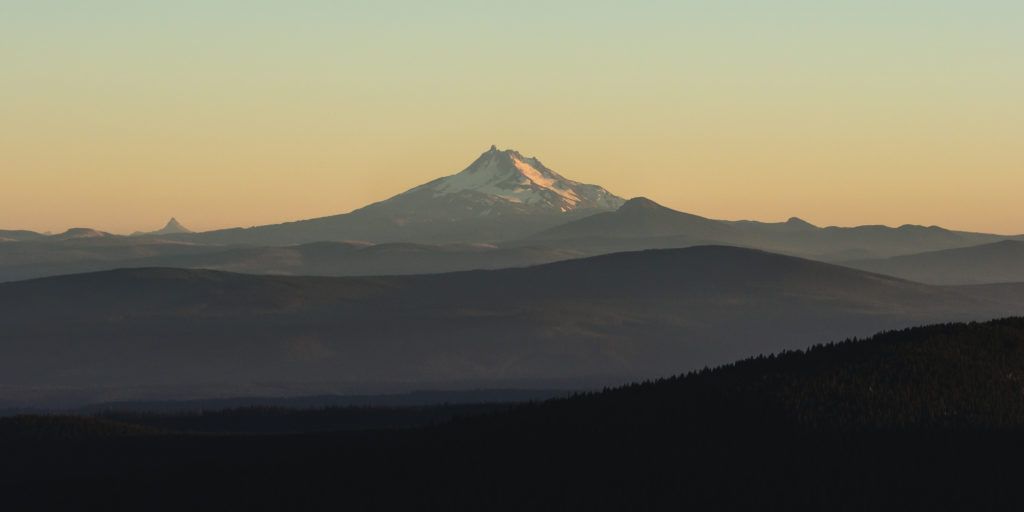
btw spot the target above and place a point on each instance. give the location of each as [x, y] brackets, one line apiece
[513, 178]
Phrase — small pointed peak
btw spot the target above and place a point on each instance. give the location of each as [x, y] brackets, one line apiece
[172, 227]
[493, 148]
[637, 203]
[798, 222]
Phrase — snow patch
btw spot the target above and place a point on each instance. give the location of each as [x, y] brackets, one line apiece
[535, 176]
[507, 175]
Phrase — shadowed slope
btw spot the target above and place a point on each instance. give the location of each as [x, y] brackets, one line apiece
[641, 217]
[1001, 262]
[643, 224]
[139, 333]
[31, 260]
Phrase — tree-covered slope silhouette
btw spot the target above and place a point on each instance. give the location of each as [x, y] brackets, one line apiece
[920, 419]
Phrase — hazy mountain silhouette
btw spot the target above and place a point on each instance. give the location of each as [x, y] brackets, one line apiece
[28, 260]
[501, 195]
[17, 235]
[173, 227]
[644, 224]
[1000, 262]
[640, 218]
[75, 233]
[538, 215]
[359, 259]
[152, 333]
[47, 256]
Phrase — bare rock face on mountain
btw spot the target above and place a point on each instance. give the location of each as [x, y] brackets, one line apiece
[502, 195]
[504, 183]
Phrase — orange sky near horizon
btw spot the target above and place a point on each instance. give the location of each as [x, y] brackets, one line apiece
[119, 115]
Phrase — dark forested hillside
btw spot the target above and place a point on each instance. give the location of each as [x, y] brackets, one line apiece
[921, 419]
[942, 377]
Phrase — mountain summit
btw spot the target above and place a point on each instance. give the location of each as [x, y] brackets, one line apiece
[504, 181]
[502, 195]
[173, 227]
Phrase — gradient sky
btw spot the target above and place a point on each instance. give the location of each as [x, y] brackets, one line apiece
[118, 115]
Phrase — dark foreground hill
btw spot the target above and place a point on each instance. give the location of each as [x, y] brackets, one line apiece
[167, 333]
[920, 419]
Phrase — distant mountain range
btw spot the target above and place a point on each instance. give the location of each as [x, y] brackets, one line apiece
[40, 259]
[167, 333]
[18, 235]
[502, 195]
[79, 233]
[1000, 262]
[173, 227]
[47, 256]
[504, 210]
[643, 224]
